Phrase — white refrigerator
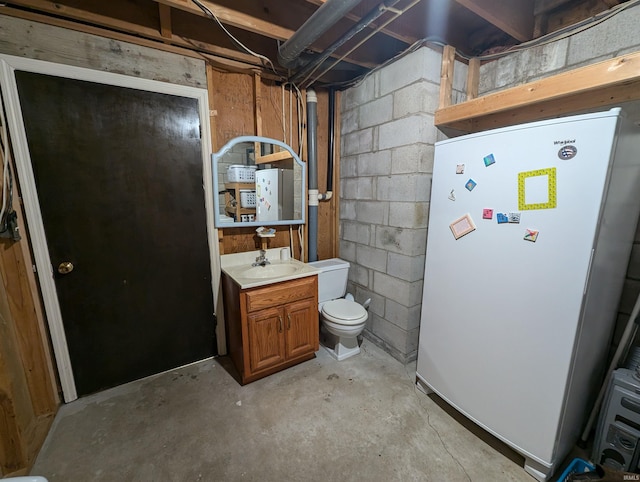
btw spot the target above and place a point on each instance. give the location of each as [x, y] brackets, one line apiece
[274, 194]
[530, 231]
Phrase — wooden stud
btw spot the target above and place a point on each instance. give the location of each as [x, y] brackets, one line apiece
[514, 17]
[473, 78]
[257, 105]
[446, 75]
[234, 18]
[165, 21]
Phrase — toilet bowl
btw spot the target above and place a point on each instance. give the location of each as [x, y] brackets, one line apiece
[341, 318]
[342, 321]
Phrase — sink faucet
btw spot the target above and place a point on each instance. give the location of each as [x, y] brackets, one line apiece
[262, 259]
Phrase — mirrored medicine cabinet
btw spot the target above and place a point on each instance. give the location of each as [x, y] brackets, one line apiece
[259, 182]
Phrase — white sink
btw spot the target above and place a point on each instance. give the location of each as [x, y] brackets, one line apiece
[238, 267]
[269, 271]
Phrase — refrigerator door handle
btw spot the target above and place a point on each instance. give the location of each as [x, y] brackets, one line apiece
[586, 281]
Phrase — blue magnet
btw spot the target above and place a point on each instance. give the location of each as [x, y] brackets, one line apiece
[502, 218]
[470, 184]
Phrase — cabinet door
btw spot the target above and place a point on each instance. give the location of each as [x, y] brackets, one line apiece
[266, 339]
[302, 328]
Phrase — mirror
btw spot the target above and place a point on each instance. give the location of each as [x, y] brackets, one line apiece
[260, 182]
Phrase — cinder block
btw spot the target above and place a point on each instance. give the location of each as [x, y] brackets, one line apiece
[407, 130]
[377, 305]
[409, 215]
[419, 97]
[377, 112]
[391, 334]
[413, 338]
[412, 158]
[348, 209]
[411, 242]
[425, 63]
[524, 66]
[357, 188]
[402, 316]
[347, 250]
[371, 257]
[348, 166]
[374, 163]
[356, 232]
[606, 38]
[359, 275]
[357, 142]
[408, 268]
[349, 121]
[404, 292]
[372, 212]
[359, 94]
[408, 187]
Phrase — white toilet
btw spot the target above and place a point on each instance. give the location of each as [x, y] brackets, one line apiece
[341, 319]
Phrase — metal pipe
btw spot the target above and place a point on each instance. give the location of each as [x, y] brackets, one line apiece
[332, 138]
[312, 165]
[322, 20]
[310, 67]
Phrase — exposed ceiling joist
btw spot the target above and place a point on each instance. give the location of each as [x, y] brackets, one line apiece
[165, 21]
[80, 15]
[233, 18]
[514, 17]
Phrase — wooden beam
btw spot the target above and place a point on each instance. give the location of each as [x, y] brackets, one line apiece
[597, 85]
[544, 6]
[165, 21]
[446, 76]
[514, 17]
[473, 78]
[52, 8]
[233, 18]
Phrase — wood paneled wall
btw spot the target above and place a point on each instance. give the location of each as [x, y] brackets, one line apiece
[28, 389]
[246, 104]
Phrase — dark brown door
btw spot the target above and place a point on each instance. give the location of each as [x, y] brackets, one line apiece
[118, 174]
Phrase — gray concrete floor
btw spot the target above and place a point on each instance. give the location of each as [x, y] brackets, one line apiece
[355, 420]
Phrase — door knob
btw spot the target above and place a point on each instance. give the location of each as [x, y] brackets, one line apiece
[65, 267]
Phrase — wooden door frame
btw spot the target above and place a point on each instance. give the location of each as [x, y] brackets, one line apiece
[24, 172]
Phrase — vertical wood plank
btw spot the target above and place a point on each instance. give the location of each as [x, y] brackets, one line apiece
[446, 75]
[473, 78]
[165, 21]
[335, 205]
[257, 94]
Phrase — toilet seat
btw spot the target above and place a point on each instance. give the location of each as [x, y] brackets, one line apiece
[344, 312]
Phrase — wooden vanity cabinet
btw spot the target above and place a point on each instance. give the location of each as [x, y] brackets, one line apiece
[271, 327]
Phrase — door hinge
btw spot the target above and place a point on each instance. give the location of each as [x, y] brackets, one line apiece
[33, 267]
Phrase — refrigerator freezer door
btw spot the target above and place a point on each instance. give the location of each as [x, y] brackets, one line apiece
[502, 303]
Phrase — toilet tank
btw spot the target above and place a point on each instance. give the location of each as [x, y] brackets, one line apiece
[332, 279]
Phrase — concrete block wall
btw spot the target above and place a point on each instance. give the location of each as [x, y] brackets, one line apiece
[618, 35]
[388, 137]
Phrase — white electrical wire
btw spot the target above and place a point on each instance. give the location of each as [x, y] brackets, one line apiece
[212, 15]
[551, 37]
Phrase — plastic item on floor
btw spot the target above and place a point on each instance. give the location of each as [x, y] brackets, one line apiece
[600, 474]
[577, 466]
